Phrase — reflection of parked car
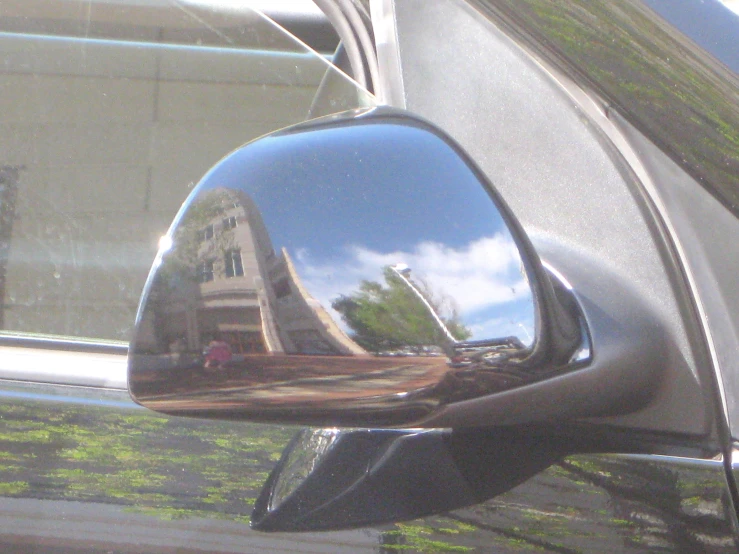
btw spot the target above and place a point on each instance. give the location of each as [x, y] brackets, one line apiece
[609, 128]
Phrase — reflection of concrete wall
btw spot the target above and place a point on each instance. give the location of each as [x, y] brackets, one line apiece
[236, 306]
[114, 134]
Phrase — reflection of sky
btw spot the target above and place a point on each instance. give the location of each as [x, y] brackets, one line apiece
[346, 206]
[708, 23]
[482, 280]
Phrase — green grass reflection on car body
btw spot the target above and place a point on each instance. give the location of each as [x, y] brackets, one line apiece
[163, 466]
[177, 468]
[634, 60]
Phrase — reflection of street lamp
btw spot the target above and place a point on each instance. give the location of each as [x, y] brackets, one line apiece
[525, 330]
[404, 272]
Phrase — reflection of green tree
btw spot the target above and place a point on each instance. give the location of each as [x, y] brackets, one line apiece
[178, 275]
[683, 99]
[188, 250]
[425, 536]
[609, 503]
[652, 501]
[173, 468]
[392, 317]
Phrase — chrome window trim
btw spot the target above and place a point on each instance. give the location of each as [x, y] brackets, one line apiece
[390, 90]
[104, 369]
[59, 55]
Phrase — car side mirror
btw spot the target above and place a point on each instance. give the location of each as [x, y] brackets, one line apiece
[355, 270]
[329, 479]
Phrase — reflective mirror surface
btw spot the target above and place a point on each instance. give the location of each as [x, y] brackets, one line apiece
[354, 270]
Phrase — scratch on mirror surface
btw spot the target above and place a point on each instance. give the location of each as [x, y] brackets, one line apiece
[88, 24]
[88, 20]
[180, 6]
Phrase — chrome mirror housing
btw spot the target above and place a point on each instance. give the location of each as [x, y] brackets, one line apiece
[356, 270]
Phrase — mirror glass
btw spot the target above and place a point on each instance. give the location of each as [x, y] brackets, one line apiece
[356, 265]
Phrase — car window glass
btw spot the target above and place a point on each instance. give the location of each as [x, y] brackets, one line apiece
[112, 110]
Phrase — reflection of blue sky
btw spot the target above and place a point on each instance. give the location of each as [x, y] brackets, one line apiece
[710, 23]
[481, 281]
[347, 204]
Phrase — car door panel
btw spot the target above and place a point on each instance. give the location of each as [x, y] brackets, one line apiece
[111, 114]
[85, 470]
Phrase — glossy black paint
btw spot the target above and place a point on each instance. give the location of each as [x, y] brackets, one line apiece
[341, 479]
[82, 470]
[674, 91]
[85, 470]
[334, 479]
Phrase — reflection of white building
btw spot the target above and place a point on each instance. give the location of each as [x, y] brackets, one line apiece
[249, 296]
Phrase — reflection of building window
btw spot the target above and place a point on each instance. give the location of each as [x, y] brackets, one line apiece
[282, 288]
[229, 223]
[205, 234]
[234, 267]
[205, 271]
[245, 342]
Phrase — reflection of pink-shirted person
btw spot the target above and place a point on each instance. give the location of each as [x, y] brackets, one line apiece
[217, 354]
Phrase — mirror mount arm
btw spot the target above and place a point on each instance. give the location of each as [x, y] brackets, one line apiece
[563, 329]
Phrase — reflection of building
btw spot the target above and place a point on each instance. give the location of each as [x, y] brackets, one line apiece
[246, 294]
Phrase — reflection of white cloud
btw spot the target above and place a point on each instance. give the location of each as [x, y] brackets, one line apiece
[733, 5]
[518, 323]
[484, 273]
[480, 278]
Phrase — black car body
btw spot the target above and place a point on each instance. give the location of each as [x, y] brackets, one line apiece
[611, 129]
